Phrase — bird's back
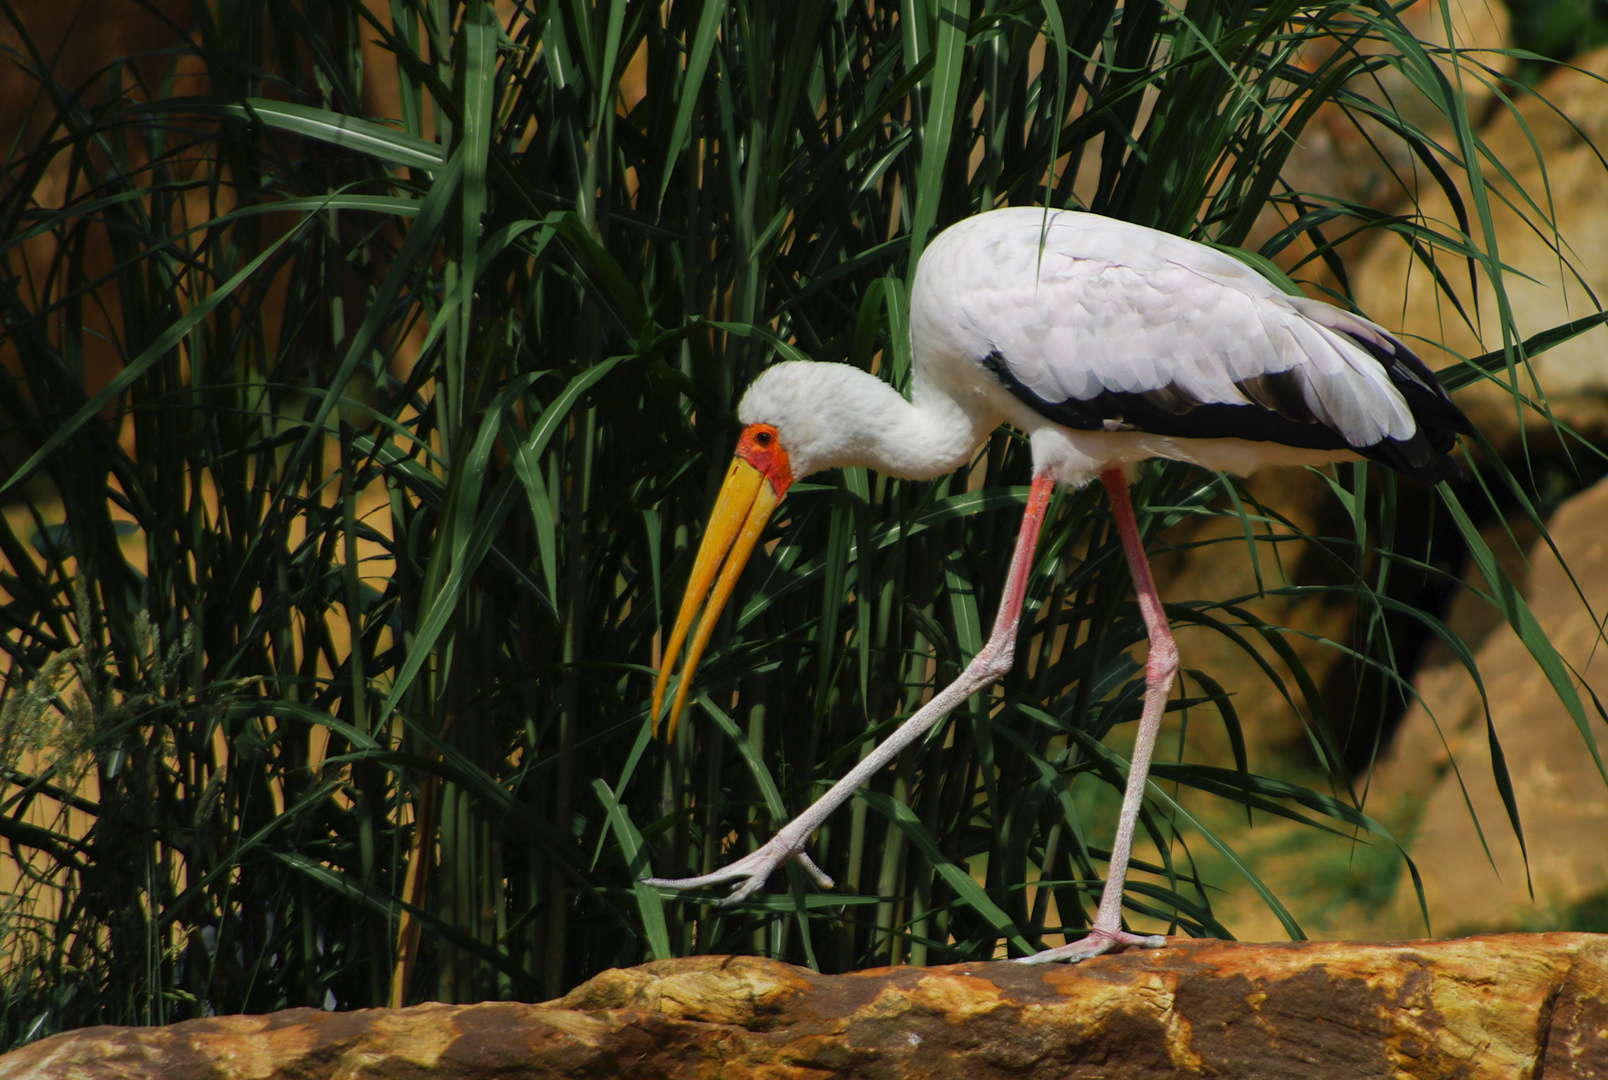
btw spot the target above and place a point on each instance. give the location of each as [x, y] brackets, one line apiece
[1103, 326]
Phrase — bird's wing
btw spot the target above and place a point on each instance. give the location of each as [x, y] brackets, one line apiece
[1106, 325]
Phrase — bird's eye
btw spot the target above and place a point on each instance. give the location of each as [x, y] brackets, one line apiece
[763, 438]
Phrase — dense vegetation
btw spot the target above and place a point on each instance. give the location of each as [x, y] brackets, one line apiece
[370, 377]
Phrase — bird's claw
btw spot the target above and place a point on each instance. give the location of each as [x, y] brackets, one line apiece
[1095, 943]
[750, 872]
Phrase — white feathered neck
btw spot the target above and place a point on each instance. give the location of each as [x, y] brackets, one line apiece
[831, 415]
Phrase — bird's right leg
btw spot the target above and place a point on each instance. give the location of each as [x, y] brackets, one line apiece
[994, 660]
[1107, 934]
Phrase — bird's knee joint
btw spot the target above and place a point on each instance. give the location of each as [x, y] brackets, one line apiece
[996, 663]
[1162, 663]
[989, 665]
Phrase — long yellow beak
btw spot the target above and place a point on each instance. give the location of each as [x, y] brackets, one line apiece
[745, 504]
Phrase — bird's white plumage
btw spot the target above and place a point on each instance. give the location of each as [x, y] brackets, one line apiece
[1105, 305]
[1075, 305]
[831, 415]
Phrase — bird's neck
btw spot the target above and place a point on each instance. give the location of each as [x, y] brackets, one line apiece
[927, 436]
[832, 415]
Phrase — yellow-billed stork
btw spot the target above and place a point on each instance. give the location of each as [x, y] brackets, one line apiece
[1107, 343]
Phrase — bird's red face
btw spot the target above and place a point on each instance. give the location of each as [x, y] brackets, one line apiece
[755, 483]
[761, 447]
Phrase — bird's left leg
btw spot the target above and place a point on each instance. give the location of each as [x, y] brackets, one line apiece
[994, 660]
[1107, 933]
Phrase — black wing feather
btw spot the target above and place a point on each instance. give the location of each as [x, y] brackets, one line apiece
[1276, 411]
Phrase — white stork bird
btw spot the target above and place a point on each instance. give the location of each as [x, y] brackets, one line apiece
[1106, 343]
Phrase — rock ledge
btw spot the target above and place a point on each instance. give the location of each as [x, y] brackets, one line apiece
[1507, 1005]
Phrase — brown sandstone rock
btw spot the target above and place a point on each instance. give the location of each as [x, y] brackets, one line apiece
[1568, 119]
[1354, 157]
[1562, 800]
[1503, 1006]
[1206, 558]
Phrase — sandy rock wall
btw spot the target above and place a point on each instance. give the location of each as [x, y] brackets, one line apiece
[1561, 797]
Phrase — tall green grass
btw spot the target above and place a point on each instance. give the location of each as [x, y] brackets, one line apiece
[331, 605]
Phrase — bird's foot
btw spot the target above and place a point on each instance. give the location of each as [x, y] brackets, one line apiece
[1095, 943]
[748, 873]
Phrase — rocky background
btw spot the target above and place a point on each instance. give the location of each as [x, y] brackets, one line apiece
[1424, 773]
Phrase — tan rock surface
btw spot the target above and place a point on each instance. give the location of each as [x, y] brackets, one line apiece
[1205, 558]
[1562, 800]
[1568, 118]
[1349, 156]
[1503, 1006]
[1359, 159]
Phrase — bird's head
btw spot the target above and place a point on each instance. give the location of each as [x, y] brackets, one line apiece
[798, 418]
[759, 475]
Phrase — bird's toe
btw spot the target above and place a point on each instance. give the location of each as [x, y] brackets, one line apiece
[1096, 943]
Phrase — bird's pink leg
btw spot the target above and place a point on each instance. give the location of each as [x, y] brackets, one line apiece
[1107, 933]
[749, 873]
